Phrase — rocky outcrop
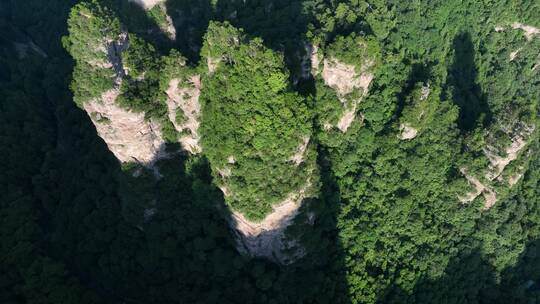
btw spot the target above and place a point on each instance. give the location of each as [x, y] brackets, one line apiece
[212, 64]
[514, 54]
[410, 124]
[490, 197]
[129, 136]
[529, 31]
[310, 61]
[344, 79]
[299, 156]
[166, 27]
[267, 237]
[147, 4]
[185, 98]
[407, 132]
[499, 158]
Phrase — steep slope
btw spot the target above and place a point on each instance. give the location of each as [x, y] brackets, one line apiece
[255, 132]
[99, 44]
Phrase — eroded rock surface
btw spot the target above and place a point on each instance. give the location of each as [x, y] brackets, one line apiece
[298, 157]
[490, 197]
[407, 132]
[310, 62]
[500, 158]
[185, 98]
[529, 31]
[344, 79]
[266, 238]
[129, 136]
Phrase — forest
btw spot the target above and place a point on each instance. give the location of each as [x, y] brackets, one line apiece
[269, 151]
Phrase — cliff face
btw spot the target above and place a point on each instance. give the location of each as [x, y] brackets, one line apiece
[127, 133]
[256, 133]
[184, 111]
[129, 136]
[102, 49]
[259, 135]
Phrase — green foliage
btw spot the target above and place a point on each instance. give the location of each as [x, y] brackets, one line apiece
[362, 52]
[250, 113]
[92, 28]
[140, 87]
[387, 226]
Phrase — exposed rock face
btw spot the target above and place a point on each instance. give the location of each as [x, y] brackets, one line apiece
[519, 133]
[424, 92]
[129, 136]
[347, 119]
[168, 27]
[514, 54]
[407, 132]
[344, 79]
[298, 157]
[147, 4]
[310, 62]
[490, 196]
[212, 64]
[186, 99]
[266, 238]
[529, 31]
[499, 158]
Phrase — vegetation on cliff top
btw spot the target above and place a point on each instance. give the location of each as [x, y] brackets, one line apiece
[388, 226]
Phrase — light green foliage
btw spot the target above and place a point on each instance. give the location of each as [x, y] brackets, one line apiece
[92, 29]
[159, 15]
[174, 66]
[250, 113]
[362, 52]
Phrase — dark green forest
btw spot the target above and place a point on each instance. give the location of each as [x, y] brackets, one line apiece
[420, 174]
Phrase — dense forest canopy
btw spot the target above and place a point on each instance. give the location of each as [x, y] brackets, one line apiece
[307, 151]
